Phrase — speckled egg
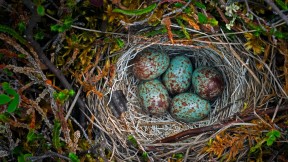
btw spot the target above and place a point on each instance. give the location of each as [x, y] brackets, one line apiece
[153, 97]
[150, 64]
[208, 82]
[189, 107]
[177, 77]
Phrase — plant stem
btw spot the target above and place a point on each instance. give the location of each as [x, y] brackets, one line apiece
[36, 46]
[193, 132]
[276, 9]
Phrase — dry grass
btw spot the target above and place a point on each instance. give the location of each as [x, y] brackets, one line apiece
[246, 86]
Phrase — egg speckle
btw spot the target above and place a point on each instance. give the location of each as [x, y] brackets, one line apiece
[153, 97]
[208, 82]
[150, 64]
[189, 107]
[177, 77]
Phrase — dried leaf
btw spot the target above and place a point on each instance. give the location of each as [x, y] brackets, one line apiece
[105, 70]
[191, 22]
[265, 58]
[33, 119]
[112, 74]
[167, 22]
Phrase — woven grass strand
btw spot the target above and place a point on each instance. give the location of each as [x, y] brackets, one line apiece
[240, 90]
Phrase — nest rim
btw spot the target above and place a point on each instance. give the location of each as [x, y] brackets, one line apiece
[245, 82]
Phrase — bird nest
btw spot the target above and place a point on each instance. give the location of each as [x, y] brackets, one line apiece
[135, 131]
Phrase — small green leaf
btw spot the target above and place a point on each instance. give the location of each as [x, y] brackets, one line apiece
[257, 34]
[136, 12]
[55, 27]
[13, 104]
[21, 26]
[277, 133]
[61, 96]
[270, 142]
[74, 38]
[68, 22]
[21, 55]
[8, 72]
[178, 4]
[120, 42]
[11, 91]
[200, 5]
[272, 137]
[145, 156]
[187, 10]
[41, 10]
[269, 133]
[183, 28]
[213, 22]
[202, 18]
[178, 156]
[23, 157]
[73, 157]
[39, 35]
[55, 95]
[4, 117]
[132, 140]
[4, 99]
[31, 136]
[279, 35]
[252, 149]
[156, 32]
[71, 92]
[61, 29]
[5, 85]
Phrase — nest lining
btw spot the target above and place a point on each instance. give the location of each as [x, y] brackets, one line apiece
[240, 89]
[150, 127]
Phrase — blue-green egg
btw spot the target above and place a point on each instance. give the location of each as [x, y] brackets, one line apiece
[189, 107]
[153, 96]
[150, 64]
[208, 82]
[177, 78]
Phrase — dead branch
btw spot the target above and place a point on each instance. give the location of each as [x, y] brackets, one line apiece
[36, 46]
[245, 118]
[276, 9]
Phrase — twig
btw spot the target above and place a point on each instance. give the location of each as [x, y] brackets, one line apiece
[73, 103]
[276, 9]
[178, 10]
[80, 126]
[257, 17]
[276, 109]
[47, 155]
[193, 132]
[86, 29]
[29, 35]
[243, 63]
[222, 15]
